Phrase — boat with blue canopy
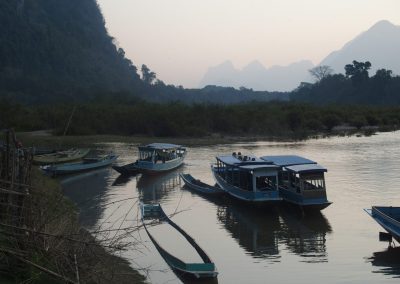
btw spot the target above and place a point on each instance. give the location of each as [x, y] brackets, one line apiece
[155, 158]
[301, 181]
[388, 217]
[247, 178]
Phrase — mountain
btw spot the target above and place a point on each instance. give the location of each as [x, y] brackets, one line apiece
[257, 77]
[59, 50]
[379, 45]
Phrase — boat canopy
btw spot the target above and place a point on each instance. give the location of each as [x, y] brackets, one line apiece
[287, 160]
[242, 160]
[159, 146]
[307, 168]
[259, 167]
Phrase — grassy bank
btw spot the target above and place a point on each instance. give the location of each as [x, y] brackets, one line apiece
[54, 241]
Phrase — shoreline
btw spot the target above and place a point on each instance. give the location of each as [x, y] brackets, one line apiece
[46, 139]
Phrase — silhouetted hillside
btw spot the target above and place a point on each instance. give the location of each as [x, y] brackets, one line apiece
[59, 50]
[380, 45]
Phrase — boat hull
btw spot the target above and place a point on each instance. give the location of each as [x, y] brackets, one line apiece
[315, 203]
[201, 187]
[60, 157]
[72, 168]
[205, 269]
[149, 167]
[388, 218]
[264, 197]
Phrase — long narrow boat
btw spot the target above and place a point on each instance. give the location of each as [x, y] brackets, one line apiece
[61, 157]
[86, 165]
[247, 178]
[200, 186]
[155, 158]
[205, 269]
[388, 217]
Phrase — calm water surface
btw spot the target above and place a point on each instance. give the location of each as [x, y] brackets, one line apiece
[262, 245]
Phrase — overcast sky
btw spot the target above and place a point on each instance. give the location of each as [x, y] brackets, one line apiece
[180, 39]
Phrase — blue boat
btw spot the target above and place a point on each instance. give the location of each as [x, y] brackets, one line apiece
[200, 186]
[155, 158]
[388, 217]
[85, 165]
[247, 178]
[205, 269]
[301, 181]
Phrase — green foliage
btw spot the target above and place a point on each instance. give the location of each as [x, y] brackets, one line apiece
[120, 116]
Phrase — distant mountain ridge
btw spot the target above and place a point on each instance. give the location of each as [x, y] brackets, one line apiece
[256, 76]
[380, 45]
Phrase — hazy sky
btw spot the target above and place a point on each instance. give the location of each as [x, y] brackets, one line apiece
[180, 39]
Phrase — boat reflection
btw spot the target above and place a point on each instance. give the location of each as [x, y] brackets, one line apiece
[254, 229]
[156, 188]
[387, 261]
[305, 235]
[264, 234]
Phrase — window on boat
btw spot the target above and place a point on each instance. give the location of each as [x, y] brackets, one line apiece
[313, 181]
[266, 183]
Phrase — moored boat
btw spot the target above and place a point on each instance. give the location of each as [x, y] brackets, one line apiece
[200, 186]
[301, 181]
[205, 269]
[388, 217]
[85, 165]
[61, 156]
[247, 178]
[155, 158]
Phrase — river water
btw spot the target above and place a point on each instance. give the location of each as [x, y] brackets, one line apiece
[258, 245]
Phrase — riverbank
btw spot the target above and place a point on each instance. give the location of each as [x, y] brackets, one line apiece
[46, 139]
[52, 247]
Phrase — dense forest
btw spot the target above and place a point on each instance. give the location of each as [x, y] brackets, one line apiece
[355, 87]
[59, 50]
[128, 116]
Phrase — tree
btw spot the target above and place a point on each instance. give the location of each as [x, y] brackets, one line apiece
[147, 76]
[320, 72]
[383, 75]
[358, 71]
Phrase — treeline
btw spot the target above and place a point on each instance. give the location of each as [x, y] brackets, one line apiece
[355, 87]
[137, 117]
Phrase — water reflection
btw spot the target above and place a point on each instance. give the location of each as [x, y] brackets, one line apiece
[263, 233]
[387, 261]
[254, 230]
[305, 235]
[156, 188]
[89, 192]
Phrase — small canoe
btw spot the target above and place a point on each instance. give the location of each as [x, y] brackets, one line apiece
[200, 186]
[388, 217]
[129, 169]
[61, 157]
[205, 269]
[86, 165]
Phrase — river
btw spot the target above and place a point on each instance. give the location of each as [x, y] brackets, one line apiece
[250, 245]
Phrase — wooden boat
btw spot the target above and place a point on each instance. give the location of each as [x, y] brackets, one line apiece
[388, 217]
[200, 186]
[301, 181]
[86, 165]
[205, 269]
[247, 178]
[61, 156]
[155, 158]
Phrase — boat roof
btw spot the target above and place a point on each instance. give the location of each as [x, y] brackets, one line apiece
[244, 160]
[287, 160]
[258, 167]
[306, 168]
[159, 146]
